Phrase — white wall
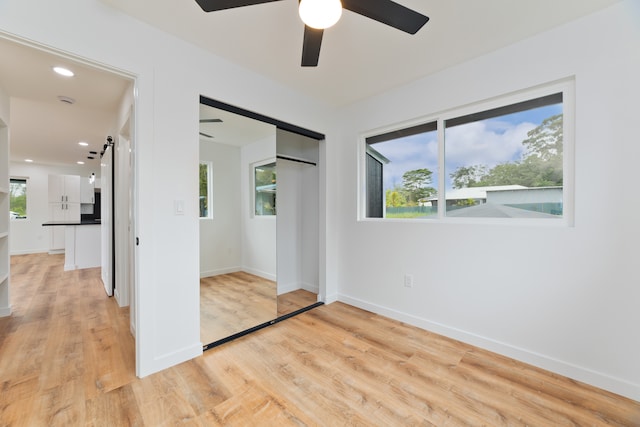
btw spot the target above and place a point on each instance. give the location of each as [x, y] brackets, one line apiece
[5, 300]
[565, 299]
[258, 232]
[298, 213]
[28, 235]
[220, 236]
[297, 227]
[170, 76]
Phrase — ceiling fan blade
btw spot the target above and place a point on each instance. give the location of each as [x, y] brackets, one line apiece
[389, 13]
[311, 46]
[212, 5]
[211, 121]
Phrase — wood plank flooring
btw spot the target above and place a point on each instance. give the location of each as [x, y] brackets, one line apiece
[234, 302]
[66, 359]
[231, 303]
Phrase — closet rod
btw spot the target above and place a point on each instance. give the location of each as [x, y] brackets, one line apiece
[293, 159]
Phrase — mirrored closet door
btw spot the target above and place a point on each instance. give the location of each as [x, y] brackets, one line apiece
[258, 222]
[297, 219]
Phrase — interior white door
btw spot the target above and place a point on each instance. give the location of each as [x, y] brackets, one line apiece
[106, 212]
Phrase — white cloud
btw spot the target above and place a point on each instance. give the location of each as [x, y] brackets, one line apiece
[410, 153]
[488, 142]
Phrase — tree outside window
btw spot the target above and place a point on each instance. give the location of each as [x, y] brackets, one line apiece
[18, 198]
[206, 190]
[265, 189]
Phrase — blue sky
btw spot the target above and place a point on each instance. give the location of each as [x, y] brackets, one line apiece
[487, 142]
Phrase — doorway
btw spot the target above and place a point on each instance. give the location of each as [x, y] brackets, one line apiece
[90, 102]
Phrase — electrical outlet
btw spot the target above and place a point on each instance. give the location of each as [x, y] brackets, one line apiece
[408, 281]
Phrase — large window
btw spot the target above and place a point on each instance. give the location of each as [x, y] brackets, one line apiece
[506, 162]
[264, 183]
[504, 158]
[18, 198]
[206, 192]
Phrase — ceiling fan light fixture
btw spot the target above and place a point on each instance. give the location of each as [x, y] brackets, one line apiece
[320, 14]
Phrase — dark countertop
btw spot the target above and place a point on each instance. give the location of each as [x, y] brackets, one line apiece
[81, 222]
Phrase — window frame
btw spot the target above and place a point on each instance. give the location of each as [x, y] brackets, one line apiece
[565, 86]
[209, 165]
[252, 190]
[26, 185]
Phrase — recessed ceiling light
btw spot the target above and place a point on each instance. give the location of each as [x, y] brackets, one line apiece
[80, 162]
[63, 71]
[28, 160]
[84, 144]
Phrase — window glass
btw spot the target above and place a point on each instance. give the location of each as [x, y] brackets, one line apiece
[506, 162]
[18, 198]
[402, 173]
[265, 189]
[206, 190]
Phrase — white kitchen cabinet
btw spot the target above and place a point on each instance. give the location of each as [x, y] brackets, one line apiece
[64, 189]
[64, 205]
[68, 212]
[87, 191]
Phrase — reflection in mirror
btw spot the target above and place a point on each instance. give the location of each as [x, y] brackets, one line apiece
[264, 178]
[237, 245]
[298, 221]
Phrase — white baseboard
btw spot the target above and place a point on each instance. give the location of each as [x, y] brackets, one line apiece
[5, 311]
[227, 270]
[29, 252]
[168, 360]
[597, 379]
[259, 273]
[290, 287]
[310, 287]
[219, 271]
[332, 298]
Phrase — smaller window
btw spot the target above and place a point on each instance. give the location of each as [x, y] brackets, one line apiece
[18, 198]
[206, 191]
[264, 183]
[402, 173]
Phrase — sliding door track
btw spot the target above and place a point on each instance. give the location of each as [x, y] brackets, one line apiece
[258, 327]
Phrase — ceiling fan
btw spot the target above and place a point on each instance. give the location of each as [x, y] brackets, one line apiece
[209, 121]
[384, 11]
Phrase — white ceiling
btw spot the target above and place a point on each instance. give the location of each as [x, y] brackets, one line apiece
[233, 129]
[359, 58]
[43, 128]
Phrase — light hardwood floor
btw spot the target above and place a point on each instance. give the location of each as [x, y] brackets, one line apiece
[233, 302]
[66, 359]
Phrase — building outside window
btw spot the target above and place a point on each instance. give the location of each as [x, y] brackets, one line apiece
[402, 172]
[506, 162]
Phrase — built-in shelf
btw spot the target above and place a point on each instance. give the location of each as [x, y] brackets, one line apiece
[4, 234]
[4, 277]
[4, 190]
